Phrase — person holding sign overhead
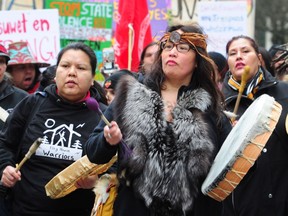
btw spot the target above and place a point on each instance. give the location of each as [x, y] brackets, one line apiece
[264, 189]
[60, 116]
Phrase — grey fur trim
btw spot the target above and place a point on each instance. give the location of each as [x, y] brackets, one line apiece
[168, 160]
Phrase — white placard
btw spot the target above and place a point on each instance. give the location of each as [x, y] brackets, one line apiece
[40, 28]
[221, 21]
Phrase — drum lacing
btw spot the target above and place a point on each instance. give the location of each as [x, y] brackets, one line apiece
[259, 145]
[237, 173]
[249, 159]
[219, 197]
[231, 183]
[275, 118]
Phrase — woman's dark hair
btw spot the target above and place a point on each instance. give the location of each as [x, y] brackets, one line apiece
[252, 42]
[102, 94]
[203, 76]
[83, 47]
[221, 63]
[267, 59]
[47, 77]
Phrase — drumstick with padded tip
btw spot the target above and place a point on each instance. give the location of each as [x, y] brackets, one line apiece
[92, 104]
[241, 89]
[31, 151]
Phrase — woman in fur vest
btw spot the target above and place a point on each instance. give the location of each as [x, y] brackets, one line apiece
[168, 131]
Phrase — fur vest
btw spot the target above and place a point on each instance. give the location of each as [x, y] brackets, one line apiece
[169, 160]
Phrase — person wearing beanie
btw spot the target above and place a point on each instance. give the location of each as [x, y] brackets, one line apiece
[9, 98]
[111, 83]
[23, 68]
[220, 66]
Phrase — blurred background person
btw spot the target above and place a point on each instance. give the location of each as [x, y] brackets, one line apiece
[280, 61]
[23, 68]
[10, 96]
[111, 82]
[147, 59]
[266, 60]
[47, 77]
[220, 66]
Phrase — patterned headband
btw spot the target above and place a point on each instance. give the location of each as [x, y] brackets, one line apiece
[194, 39]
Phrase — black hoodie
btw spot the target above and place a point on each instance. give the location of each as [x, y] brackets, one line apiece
[64, 127]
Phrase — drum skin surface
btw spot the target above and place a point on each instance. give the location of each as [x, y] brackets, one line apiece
[65, 181]
[242, 147]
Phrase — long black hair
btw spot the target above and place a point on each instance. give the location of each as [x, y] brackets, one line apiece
[203, 76]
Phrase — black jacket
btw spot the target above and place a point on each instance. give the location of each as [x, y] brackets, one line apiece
[264, 189]
[64, 128]
[10, 96]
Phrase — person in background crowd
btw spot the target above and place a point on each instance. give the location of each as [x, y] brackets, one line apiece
[111, 82]
[10, 96]
[266, 60]
[220, 66]
[23, 68]
[263, 190]
[147, 59]
[280, 62]
[61, 117]
[47, 77]
[173, 125]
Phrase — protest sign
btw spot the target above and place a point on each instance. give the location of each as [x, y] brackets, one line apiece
[87, 22]
[40, 28]
[221, 21]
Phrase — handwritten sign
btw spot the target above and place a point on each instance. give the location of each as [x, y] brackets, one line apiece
[87, 22]
[221, 21]
[158, 11]
[40, 28]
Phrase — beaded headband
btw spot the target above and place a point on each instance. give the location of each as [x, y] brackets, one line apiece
[194, 39]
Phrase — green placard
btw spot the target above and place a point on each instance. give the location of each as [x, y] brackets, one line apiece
[88, 22]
